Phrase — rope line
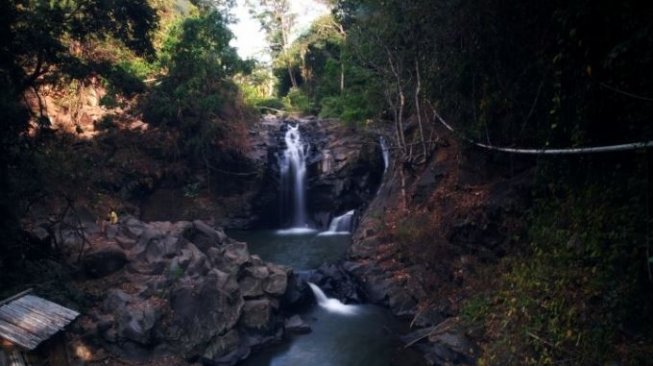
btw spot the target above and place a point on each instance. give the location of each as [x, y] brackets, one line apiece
[568, 151]
[626, 93]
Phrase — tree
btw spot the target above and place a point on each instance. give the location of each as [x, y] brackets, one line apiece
[277, 21]
[223, 7]
[192, 97]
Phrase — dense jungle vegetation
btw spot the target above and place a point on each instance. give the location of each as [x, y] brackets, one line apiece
[577, 287]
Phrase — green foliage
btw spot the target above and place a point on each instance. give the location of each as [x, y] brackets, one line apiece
[351, 108]
[476, 309]
[268, 105]
[331, 107]
[298, 102]
[105, 123]
[555, 79]
[198, 88]
[109, 100]
[582, 280]
[199, 48]
[121, 79]
[325, 72]
[257, 88]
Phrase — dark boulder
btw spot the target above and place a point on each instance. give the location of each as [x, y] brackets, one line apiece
[296, 325]
[298, 296]
[103, 262]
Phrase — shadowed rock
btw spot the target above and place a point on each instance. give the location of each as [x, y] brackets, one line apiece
[211, 301]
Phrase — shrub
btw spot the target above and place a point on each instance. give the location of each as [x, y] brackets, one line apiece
[331, 107]
[297, 101]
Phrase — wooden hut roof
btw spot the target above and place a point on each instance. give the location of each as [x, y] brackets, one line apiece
[27, 320]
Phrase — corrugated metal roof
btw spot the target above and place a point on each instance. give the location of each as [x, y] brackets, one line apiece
[27, 320]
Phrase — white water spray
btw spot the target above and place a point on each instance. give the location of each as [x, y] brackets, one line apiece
[340, 225]
[332, 305]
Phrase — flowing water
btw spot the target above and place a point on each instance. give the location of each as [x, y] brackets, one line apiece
[342, 334]
[366, 338]
[332, 305]
[292, 164]
[386, 153]
[340, 225]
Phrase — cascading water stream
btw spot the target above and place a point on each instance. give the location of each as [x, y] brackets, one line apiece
[332, 305]
[340, 225]
[293, 178]
[386, 153]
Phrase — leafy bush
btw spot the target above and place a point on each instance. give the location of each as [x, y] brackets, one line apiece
[138, 67]
[298, 101]
[331, 107]
[356, 108]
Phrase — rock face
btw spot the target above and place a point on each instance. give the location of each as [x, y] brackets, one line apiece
[344, 169]
[187, 289]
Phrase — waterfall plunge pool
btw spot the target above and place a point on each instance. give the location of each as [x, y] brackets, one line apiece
[342, 335]
[299, 250]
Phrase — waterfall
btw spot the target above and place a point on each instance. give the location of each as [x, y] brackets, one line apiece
[293, 175]
[340, 225]
[386, 153]
[332, 305]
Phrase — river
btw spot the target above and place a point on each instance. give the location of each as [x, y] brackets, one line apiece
[342, 335]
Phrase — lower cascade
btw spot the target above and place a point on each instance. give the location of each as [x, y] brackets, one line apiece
[340, 225]
[332, 305]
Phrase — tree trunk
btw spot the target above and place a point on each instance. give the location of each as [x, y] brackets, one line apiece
[418, 110]
[342, 75]
[401, 102]
[293, 81]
